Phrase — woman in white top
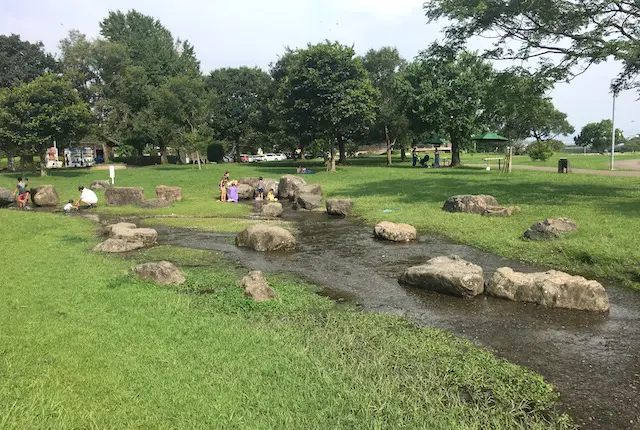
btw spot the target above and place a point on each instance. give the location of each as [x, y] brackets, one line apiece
[87, 197]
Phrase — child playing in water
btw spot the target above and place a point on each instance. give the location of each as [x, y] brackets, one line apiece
[271, 197]
[69, 206]
[232, 192]
[260, 189]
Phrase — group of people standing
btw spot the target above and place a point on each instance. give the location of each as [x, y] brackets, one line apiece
[425, 160]
[229, 190]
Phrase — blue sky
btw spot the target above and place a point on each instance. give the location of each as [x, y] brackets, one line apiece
[228, 33]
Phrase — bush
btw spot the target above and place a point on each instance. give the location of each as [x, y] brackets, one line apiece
[540, 150]
[215, 152]
[150, 160]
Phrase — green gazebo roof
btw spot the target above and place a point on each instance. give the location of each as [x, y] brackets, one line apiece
[436, 141]
[490, 136]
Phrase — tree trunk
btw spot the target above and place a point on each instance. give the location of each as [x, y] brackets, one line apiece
[342, 148]
[455, 153]
[332, 164]
[163, 156]
[386, 133]
[106, 151]
[403, 155]
[198, 156]
[11, 163]
[43, 164]
[237, 151]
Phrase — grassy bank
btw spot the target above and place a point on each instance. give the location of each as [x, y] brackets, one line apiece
[578, 161]
[605, 208]
[86, 345]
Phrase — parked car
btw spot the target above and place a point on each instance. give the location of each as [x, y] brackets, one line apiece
[271, 157]
[227, 159]
[281, 157]
[257, 158]
[245, 158]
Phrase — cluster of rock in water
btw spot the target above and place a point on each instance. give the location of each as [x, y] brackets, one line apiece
[445, 274]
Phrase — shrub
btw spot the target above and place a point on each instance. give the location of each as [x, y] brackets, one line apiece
[540, 150]
[215, 152]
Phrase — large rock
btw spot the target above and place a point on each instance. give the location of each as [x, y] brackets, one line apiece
[100, 185]
[307, 201]
[262, 237]
[169, 194]
[289, 186]
[469, 204]
[270, 184]
[552, 289]
[252, 182]
[387, 230]
[117, 245]
[310, 189]
[128, 232]
[550, 228]
[273, 209]
[256, 287]
[117, 196]
[6, 197]
[44, 195]
[449, 275]
[245, 192]
[339, 207]
[162, 272]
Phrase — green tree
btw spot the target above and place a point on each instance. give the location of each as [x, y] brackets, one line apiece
[135, 62]
[581, 33]
[23, 61]
[391, 124]
[239, 106]
[556, 145]
[540, 150]
[47, 109]
[324, 92]
[518, 107]
[632, 145]
[598, 136]
[444, 90]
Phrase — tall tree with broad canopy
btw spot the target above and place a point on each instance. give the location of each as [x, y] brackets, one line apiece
[324, 90]
[47, 109]
[579, 32]
[444, 91]
[135, 60]
[239, 99]
[383, 66]
[23, 61]
[517, 106]
[598, 136]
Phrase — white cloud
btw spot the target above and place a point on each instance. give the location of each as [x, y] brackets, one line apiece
[385, 9]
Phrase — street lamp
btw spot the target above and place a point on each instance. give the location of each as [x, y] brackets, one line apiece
[613, 126]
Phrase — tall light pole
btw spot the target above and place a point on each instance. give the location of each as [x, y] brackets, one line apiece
[613, 128]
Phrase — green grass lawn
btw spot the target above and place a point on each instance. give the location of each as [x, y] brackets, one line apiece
[578, 161]
[605, 208]
[83, 344]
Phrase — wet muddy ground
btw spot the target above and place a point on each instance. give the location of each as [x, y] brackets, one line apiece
[592, 359]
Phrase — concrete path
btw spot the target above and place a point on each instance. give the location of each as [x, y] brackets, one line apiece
[590, 171]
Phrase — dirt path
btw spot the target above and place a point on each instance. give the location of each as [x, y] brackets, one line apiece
[627, 164]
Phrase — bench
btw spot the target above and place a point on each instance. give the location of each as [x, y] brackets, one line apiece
[487, 161]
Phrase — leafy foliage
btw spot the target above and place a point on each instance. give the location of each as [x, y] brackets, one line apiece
[540, 150]
[444, 91]
[22, 61]
[598, 135]
[325, 92]
[33, 115]
[581, 33]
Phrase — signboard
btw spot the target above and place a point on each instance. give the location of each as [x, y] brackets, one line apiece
[112, 173]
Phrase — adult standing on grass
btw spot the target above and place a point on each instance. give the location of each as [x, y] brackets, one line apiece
[436, 156]
[87, 197]
[414, 156]
[224, 182]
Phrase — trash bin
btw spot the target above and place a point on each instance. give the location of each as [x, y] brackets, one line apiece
[564, 166]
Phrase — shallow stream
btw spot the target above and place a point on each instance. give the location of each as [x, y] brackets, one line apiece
[593, 359]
